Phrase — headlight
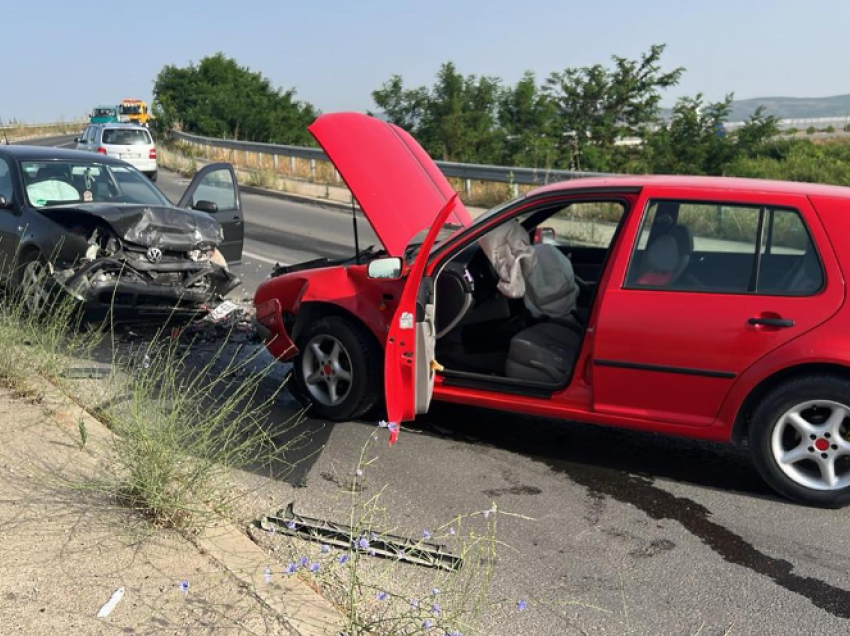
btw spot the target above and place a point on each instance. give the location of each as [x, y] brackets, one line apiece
[200, 256]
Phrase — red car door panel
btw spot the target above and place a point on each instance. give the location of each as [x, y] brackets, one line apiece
[672, 356]
[408, 370]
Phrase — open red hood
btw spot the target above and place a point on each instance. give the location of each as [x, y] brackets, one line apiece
[398, 186]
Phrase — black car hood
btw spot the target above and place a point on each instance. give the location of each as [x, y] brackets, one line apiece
[164, 227]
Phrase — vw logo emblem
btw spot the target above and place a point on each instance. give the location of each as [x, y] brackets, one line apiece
[154, 254]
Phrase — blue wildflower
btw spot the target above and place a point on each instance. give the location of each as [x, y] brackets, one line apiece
[290, 525]
[272, 530]
[267, 574]
[304, 561]
[342, 558]
[428, 624]
[435, 591]
[292, 568]
[401, 554]
[414, 603]
[184, 587]
[314, 568]
[426, 534]
[371, 553]
[435, 609]
[381, 596]
[363, 543]
[326, 548]
[522, 606]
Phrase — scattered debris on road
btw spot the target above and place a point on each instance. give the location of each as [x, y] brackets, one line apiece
[340, 535]
[112, 603]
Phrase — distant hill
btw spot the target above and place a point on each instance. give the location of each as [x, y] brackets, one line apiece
[793, 107]
[786, 107]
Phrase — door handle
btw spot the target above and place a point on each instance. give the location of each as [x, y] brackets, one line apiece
[771, 322]
[237, 220]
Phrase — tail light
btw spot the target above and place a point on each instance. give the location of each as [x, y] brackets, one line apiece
[153, 153]
[102, 150]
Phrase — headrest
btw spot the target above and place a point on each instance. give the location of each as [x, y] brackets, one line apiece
[663, 254]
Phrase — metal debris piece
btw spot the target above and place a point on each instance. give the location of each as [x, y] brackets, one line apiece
[340, 535]
[85, 373]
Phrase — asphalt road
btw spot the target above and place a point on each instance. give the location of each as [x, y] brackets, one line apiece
[631, 534]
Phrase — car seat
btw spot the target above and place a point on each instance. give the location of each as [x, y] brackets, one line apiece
[667, 257]
[545, 352]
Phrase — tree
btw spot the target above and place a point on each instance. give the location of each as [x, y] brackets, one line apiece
[455, 120]
[525, 116]
[694, 141]
[219, 98]
[595, 107]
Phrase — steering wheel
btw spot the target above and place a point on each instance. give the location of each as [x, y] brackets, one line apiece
[454, 291]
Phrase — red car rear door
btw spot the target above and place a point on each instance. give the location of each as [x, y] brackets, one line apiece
[408, 364]
[671, 352]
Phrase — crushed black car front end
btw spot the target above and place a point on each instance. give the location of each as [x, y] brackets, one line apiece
[138, 263]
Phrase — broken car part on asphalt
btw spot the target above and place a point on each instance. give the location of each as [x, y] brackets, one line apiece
[342, 536]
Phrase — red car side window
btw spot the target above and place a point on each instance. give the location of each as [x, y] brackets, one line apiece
[711, 247]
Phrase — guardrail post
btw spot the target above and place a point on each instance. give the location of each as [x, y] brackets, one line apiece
[274, 160]
[467, 187]
[313, 169]
[292, 164]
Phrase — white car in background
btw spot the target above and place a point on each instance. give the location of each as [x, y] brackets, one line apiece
[129, 142]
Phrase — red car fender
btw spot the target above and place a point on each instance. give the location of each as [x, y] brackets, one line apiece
[808, 349]
[371, 302]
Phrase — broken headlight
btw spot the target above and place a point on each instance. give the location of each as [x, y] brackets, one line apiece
[200, 256]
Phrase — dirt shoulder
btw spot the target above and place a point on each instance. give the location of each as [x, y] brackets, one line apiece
[64, 548]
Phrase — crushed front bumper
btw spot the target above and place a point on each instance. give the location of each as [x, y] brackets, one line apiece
[268, 322]
[133, 293]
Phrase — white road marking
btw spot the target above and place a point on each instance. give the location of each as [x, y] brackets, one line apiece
[263, 259]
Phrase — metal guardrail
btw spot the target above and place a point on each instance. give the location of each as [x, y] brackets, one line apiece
[474, 172]
[58, 124]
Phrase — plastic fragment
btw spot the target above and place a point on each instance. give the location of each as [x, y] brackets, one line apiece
[112, 603]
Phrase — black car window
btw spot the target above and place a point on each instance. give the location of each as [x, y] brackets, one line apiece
[49, 183]
[6, 189]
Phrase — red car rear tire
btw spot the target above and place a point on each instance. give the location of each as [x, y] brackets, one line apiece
[800, 440]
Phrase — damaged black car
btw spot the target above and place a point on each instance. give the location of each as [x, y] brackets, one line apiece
[94, 228]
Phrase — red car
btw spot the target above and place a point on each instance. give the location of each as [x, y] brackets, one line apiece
[712, 308]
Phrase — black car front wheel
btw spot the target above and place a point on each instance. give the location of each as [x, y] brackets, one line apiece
[338, 370]
[32, 282]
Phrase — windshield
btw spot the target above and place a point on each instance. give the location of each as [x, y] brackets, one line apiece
[126, 137]
[450, 231]
[131, 110]
[104, 112]
[50, 183]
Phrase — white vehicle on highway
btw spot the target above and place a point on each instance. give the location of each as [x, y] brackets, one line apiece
[130, 142]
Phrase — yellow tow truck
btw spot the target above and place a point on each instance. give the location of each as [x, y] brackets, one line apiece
[133, 111]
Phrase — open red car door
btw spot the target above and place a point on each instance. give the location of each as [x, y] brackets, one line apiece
[409, 364]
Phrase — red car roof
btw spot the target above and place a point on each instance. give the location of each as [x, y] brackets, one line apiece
[701, 183]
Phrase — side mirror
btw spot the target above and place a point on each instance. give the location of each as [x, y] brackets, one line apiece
[77, 139]
[385, 268]
[205, 206]
[5, 204]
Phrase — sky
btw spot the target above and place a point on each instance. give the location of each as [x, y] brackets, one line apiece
[63, 58]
